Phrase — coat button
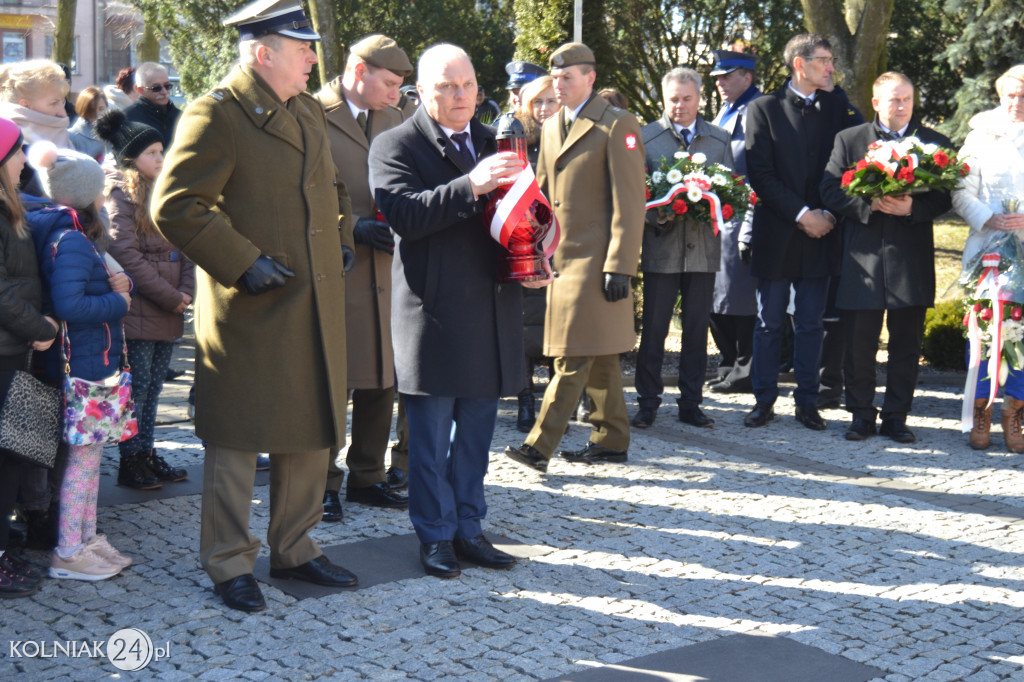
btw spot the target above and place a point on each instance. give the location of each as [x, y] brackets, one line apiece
[557, 203]
[463, 215]
[559, 167]
[319, 278]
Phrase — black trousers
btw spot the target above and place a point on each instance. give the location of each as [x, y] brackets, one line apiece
[906, 331]
[696, 290]
[734, 336]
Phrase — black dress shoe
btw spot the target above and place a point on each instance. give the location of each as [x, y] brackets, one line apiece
[527, 455]
[594, 454]
[481, 552]
[809, 417]
[241, 593]
[694, 416]
[377, 495]
[397, 479]
[332, 507]
[438, 559]
[860, 429]
[759, 416]
[644, 417]
[897, 430]
[319, 571]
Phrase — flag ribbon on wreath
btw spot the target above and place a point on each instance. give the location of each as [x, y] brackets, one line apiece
[988, 287]
[679, 188]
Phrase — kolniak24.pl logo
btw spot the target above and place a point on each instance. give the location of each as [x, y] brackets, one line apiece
[128, 649]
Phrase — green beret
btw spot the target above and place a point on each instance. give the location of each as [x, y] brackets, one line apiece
[571, 54]
[383, 52]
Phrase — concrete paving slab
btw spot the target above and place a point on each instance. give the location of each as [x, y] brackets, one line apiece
[736, 658]
[380, 560]
[112, 494]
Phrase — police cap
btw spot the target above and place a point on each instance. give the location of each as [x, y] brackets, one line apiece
[520, 73]
[265, 17]
[727, 61]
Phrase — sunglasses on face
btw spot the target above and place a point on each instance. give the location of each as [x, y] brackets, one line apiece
[159, 87]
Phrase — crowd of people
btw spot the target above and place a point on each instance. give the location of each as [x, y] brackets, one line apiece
[336, 249]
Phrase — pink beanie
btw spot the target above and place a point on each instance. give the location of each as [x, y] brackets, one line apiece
[10, 140]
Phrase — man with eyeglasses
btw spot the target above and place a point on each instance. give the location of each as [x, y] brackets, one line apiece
[793, 243]
[154, 106]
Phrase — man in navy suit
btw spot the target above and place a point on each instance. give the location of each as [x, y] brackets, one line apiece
[457, 331]
[789, 140]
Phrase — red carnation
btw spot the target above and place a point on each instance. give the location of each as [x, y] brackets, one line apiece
[906, 175]
[1017, 313]
[976, 307]
[985, 314]
[848, 177]
[753, 198]
[941, 159]
[727, 212]
[648, 192]
[965, 170]
[680, 207]
[861, 165]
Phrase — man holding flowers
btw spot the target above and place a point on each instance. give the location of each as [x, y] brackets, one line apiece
[680, 255]
[888, 251]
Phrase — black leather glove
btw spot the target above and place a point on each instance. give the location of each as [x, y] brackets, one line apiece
[745, 252]
[374, 234]
[263, 275]
[348, 258]
[616, 286]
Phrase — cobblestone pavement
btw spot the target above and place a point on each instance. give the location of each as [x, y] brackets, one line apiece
[907, 558]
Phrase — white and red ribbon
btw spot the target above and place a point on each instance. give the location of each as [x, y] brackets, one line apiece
[988, 287]
[679, 188]
[516, 204]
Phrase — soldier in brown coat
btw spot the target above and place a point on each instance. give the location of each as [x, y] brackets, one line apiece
[250, 194]
[357, 111]
[591, 167]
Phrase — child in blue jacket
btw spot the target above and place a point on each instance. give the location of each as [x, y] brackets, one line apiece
[91, 301]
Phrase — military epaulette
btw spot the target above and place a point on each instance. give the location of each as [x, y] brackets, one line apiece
[219, 94]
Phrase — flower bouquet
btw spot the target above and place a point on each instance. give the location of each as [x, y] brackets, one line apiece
[906, 166]
[993, 286]
[692, 187]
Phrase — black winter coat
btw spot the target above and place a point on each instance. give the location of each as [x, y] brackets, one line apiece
[21, 293]
[456, 331]
[888, 261]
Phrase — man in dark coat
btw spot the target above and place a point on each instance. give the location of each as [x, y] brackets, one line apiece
[888, 264]
[789, 139]
[457, 332]
[154, 106]
[679, 257]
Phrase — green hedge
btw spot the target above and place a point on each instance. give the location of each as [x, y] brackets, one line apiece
[944, 341]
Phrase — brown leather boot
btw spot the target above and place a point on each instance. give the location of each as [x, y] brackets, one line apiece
[979, 436]
[1012, 418]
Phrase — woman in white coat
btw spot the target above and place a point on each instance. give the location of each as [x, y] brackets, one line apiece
[986, 199]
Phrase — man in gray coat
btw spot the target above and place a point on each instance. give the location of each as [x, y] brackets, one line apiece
[679, 256]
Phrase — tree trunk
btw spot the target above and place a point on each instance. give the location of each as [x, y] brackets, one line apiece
[857, 30]
[64, 32]
[328, 50]
[148, 47]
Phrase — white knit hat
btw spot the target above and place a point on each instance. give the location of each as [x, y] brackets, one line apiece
[68, 177]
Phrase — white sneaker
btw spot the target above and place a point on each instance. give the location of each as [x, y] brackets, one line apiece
[105, 550]
[85, 564]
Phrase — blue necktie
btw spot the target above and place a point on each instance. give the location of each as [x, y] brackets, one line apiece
[461, 141]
